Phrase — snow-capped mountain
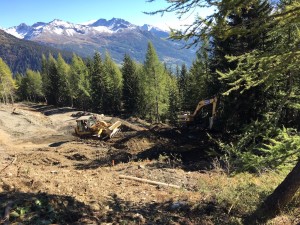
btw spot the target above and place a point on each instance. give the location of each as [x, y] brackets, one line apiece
[155, 30]
[117, 36]
[61, 27]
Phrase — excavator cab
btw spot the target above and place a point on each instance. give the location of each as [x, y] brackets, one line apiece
[187, 118]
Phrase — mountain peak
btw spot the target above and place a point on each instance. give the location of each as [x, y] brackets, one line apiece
[114, 24]
[155, 30]
[60, 23]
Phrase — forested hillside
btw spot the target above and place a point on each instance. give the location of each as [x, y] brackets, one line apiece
[21, 55]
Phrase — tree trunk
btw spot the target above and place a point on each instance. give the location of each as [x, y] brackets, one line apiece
[281, 196]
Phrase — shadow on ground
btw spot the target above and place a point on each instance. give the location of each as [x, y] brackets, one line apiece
[51, 110]
[42, 208]
[163, 213]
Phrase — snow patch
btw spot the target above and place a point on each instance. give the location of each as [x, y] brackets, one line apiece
[88, 22]
[103, 29]
[58, 31]
[14, 32]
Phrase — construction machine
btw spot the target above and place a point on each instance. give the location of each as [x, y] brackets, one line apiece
[92, 126]
[187, 118]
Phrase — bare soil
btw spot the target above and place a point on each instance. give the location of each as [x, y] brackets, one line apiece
[49, 176]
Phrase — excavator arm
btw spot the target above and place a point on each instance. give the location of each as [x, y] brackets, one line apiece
[187, 117]
[204, 103]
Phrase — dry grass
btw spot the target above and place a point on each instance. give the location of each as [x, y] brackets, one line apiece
[240, 194]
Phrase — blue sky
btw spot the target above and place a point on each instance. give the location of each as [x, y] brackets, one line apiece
[14, 12]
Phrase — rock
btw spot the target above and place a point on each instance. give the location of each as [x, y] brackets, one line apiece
[95, 206]
[141, 166]
[139, 217]
[178, 205]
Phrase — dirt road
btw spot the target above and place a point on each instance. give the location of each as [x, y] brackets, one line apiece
[53, 177]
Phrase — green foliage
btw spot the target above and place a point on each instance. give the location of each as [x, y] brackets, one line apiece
[155, 82]
[195, 85]
[174, 101]
[29, 86]
[262, 146]
[63, 70]
[113, 86]
[131, 89]
[79, 83]
[7, 84]
[254, 51]
[97, 83]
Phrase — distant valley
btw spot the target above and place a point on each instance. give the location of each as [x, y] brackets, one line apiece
[116, 36]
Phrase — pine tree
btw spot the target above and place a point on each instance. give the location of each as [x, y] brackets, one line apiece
[51, 80]
[182, 78]
[97, 83]
[113, 86]
[130, 85]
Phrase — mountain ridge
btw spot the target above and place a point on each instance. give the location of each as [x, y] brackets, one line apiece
[117, 36]
[20, 54]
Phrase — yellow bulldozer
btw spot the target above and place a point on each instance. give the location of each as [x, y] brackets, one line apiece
[187, 118]
[92, 126]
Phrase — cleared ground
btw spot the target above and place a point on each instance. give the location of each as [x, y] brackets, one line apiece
[49, 176]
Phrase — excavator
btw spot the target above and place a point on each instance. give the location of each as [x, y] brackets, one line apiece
[188, 118]
[92, 126]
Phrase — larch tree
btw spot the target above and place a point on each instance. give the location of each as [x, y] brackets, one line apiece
[7, 83]
[155, 85]
[174, 100]
[79, 83]
[63, 70]
[30, 86]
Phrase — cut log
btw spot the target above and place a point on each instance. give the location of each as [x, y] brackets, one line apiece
[132, 126]
[149, 181]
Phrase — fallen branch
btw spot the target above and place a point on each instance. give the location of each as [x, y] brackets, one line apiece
[149, 181]
[12, 162]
